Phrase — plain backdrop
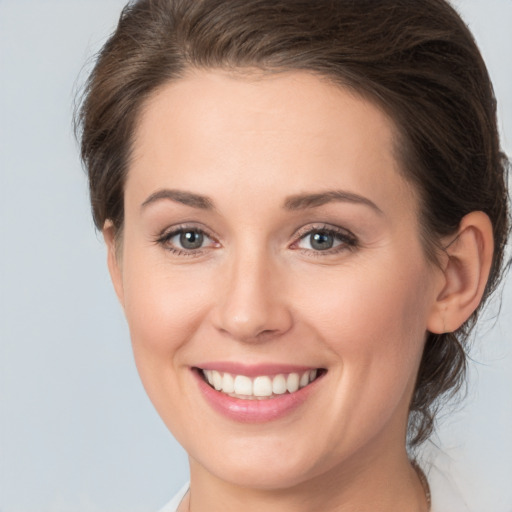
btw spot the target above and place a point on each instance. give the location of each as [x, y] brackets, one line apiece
[77, 433]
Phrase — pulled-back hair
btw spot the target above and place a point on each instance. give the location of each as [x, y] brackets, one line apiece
[415, 59]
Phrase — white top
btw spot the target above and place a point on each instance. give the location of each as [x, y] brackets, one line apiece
[445, 496]
[173, 505]
[445, 493]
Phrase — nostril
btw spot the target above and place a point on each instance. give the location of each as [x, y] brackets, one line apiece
[247, 334]
[250, 309]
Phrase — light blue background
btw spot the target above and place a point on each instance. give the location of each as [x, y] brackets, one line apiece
[77, 433]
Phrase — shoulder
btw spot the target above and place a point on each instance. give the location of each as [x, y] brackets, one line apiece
[172, 506]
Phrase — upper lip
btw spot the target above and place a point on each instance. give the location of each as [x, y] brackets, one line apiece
[253, 370]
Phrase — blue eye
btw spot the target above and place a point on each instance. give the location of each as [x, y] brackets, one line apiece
[321, 241]
[185, 241]
[190, 239]
[326, 240]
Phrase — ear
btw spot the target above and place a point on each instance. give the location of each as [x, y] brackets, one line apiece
[466, 270]
[114, 259]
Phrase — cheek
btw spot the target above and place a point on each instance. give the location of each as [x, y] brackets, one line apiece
[370, 313]
[373, 323]
[162, 312]
[163, 306]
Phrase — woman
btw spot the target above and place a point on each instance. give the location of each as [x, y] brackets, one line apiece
[305, 207]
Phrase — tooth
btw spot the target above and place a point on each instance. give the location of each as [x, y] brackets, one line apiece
[208, 375]
[217, 380]
[228, 383]
[262, 386]
[279, 385]
[292, 382]
[243, 385]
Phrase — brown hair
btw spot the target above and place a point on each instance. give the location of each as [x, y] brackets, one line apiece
[416, 59]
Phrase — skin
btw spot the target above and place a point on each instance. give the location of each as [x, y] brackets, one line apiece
[257, 291]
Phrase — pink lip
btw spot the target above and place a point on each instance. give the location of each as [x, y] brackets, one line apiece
[253, 411]
[254, 370]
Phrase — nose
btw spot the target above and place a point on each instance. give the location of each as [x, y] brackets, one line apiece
[251, 305]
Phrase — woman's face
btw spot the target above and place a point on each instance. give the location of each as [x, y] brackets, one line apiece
[269, 236]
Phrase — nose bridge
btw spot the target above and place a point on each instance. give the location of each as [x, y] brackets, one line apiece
[251, 307]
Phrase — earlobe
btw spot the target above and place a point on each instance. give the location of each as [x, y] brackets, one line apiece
[113, 259]
[466, 271]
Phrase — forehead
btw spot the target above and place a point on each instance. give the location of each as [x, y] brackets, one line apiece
[290, 129]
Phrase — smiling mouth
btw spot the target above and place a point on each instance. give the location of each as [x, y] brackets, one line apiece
[260, 387]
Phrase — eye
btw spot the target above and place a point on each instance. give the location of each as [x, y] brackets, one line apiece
[320, 241]
[189, 239]
[326, 239]
[186, 240]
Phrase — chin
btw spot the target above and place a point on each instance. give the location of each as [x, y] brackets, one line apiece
[270, 467]
[268, 476]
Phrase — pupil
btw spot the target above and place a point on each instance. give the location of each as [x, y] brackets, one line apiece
[322, 241]
[191, 240]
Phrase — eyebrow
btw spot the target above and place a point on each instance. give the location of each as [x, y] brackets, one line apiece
[293, 203]
[180, 196]
[304, 201]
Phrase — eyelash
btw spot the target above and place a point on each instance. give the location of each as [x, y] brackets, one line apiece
[347, 240]
[165, 238]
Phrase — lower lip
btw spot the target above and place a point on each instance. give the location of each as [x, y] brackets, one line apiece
[253, 411]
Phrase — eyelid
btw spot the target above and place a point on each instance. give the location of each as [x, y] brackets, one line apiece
[164, 237]
[347, 238]
[322, 226]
